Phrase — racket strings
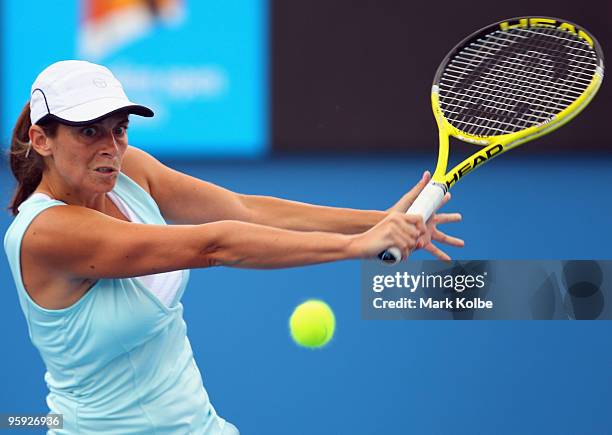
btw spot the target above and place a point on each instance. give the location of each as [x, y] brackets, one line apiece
[514, 84]
[511, 80]
[569, 86]
[516, 87]
[558, 67]
[534, 77]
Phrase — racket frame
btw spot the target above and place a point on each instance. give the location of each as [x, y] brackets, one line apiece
[432, 195]
[494, 146]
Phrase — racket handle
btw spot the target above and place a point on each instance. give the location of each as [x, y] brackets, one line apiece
[426, 203]
[428, 200]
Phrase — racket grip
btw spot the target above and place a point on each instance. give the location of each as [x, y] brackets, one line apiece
[426, 203]
[428, 200]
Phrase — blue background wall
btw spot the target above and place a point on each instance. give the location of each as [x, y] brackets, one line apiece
[391, 377]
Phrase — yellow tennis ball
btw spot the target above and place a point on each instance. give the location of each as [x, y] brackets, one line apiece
[312, 324]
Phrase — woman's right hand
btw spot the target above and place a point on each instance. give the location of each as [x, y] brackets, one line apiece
[397, 229]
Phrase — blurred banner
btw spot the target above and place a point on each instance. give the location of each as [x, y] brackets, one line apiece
[200, 65]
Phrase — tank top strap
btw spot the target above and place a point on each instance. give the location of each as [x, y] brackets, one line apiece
[139, 200]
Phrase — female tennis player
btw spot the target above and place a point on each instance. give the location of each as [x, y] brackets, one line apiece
[100, 273]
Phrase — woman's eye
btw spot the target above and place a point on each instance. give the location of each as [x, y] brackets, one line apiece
[120, 131]
[89, 131]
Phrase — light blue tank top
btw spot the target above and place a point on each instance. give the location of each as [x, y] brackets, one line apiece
[118, 360]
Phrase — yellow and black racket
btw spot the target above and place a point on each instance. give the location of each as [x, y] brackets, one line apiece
[502, 86]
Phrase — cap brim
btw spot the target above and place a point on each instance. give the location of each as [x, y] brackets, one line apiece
[94, 111]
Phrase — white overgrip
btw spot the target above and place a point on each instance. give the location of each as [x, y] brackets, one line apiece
[428, 200]
[426, 203]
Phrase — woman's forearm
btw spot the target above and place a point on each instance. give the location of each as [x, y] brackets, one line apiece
[300, 216]
[246, 245]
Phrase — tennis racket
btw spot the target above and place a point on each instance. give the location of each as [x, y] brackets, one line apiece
[508, 83]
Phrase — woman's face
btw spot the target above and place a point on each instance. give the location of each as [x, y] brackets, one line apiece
[88, 158]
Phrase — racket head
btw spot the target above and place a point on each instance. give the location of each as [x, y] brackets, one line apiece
[515, 80]
[508, 83]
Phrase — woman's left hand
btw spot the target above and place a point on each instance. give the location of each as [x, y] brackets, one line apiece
[433, 234]
[406, 201]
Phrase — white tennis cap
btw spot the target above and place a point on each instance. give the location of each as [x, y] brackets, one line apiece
[76, 92]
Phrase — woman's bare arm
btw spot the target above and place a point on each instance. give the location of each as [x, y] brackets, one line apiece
[82, 243]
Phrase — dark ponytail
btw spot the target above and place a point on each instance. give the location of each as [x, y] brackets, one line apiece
[27, 165]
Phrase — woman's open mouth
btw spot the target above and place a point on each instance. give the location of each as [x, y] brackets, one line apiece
[106, 170]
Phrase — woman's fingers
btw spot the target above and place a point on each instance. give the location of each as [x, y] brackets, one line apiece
[444, 218]
[445, 199]
[439, 236]
[409, 197]
[440, 254]
[417, 221]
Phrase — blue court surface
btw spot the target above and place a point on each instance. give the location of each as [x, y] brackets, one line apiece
[387, 377]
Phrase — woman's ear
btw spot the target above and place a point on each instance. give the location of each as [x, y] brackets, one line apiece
[39, 141]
